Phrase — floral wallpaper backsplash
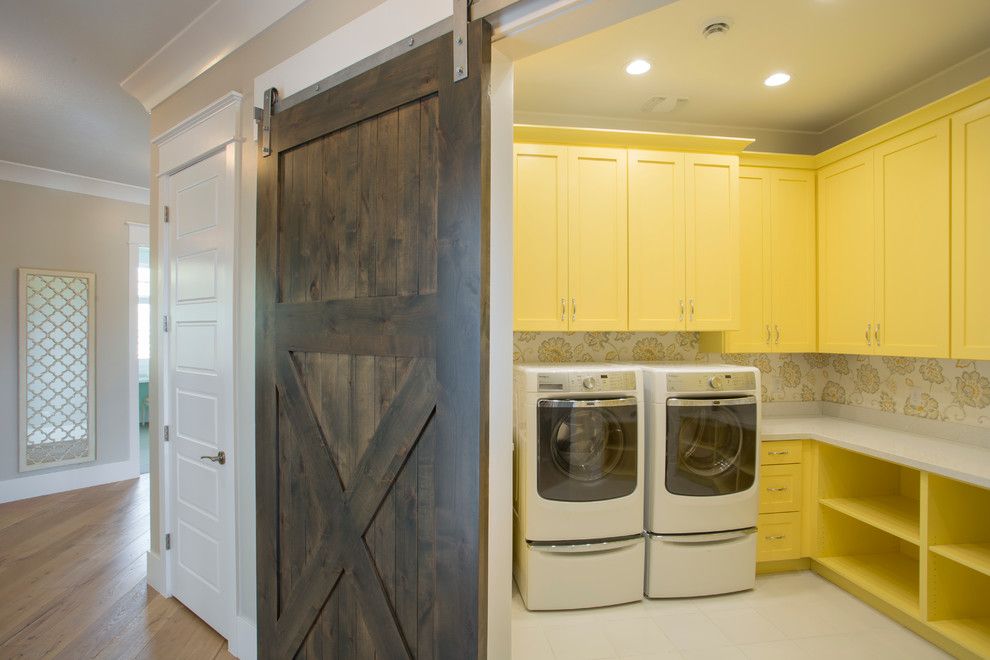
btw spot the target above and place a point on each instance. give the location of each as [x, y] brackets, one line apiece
[947, 390]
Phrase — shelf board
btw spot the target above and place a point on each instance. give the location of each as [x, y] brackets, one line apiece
[973, 634]
[972, 555]
[892, 577]
[894, 514]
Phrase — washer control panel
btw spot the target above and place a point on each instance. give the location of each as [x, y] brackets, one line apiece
[587, 381]
[711, 381]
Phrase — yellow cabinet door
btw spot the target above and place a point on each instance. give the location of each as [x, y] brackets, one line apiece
[753, 335]
[846, 255]
[597, 245]
[656, 240]
[792, 261]
[711, 207]
[540, 237]
[971, 233]
[912, 212]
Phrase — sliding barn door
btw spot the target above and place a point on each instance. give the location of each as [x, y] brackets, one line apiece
[372, 354]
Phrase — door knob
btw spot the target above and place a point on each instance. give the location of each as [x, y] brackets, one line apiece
[220, 458]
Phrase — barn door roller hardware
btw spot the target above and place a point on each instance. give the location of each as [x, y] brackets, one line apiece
[461, 39]
[271, 96]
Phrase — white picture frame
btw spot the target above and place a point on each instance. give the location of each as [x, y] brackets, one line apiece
[57, 365]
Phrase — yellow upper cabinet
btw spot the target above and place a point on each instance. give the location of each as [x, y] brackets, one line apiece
[777, 299]
[540, 237]
[912, 263]
[656, 240]
[971, 233]
[754, 333]
[884, 247]
[683, 241]
[792, 261]
[846, 251]
[711, 210]
[597, 242]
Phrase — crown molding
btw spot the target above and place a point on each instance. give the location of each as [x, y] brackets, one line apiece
[222, 28]
[75, 183]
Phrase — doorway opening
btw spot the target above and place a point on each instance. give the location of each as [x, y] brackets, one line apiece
[143, 345]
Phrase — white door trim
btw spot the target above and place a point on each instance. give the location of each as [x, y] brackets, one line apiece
[215, 128]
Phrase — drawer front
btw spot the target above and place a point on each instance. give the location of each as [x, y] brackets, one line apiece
[778, 536]
[780, 488]
[778, 452]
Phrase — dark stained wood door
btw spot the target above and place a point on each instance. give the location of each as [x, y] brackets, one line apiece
[372, 354]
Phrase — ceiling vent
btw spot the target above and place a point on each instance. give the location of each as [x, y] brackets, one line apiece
[715, 29]
[659, 104]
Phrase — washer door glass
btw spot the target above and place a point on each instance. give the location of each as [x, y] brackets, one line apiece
[711, 446]
[587, 449]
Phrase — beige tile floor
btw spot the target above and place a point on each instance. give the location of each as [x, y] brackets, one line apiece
[788, 616]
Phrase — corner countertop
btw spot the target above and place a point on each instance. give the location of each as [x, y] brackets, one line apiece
[957, 460]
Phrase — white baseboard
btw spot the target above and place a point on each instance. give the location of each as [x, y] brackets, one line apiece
[20, 488]
[156, 572]
[244, 643]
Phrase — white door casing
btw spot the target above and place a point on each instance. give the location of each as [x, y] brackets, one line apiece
[200, 240]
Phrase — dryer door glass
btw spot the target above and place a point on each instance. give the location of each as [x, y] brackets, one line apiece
[711, 446]
[586, 449]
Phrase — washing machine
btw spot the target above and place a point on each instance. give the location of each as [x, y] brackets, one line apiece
[702, 478]
[578, 491]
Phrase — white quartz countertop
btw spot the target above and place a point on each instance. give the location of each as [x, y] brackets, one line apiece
[956, 460]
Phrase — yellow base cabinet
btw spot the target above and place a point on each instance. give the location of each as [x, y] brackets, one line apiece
[777, 311]
[779, 524]
[971, 233]
[683, 241]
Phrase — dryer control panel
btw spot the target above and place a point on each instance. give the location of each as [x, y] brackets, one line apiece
[587, 381]
[712, 381]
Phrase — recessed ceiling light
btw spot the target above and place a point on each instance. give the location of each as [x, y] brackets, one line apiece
[638, 67]
[777, 79]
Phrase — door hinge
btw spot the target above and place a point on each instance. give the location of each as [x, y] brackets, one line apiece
[165, 433]
[461, 39]
[271, 97]
[166, 213]
[164, 322]
[168, 541]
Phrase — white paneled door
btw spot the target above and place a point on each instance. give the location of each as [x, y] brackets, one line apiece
[200, 450]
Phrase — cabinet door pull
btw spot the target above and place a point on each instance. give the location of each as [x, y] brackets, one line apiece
[776, 490]
[768, 334]
[868, 340]
[574, 309]
[876, 333]
[563, 309]
[691, 303]
[681, 303]
[776, 329]
[783, 452]
[778, 537]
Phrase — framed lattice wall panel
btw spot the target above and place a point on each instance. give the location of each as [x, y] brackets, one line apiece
[57, 368]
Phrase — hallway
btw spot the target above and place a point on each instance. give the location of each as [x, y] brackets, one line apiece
[72, 581]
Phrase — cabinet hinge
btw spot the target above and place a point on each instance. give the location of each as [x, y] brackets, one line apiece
[168, 541]
[165, 433]
[166, 213]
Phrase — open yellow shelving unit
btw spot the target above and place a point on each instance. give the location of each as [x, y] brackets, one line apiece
[914, 544]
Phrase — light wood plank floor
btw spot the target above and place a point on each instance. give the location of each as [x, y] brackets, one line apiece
[72, 581]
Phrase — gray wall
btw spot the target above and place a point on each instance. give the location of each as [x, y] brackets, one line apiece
[45, 228]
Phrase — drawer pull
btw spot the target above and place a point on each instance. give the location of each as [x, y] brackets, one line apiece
[783, 452]
[779, 537]
[776, 490]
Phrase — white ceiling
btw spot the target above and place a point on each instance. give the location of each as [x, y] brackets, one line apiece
[844, 57]
[61, 63]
